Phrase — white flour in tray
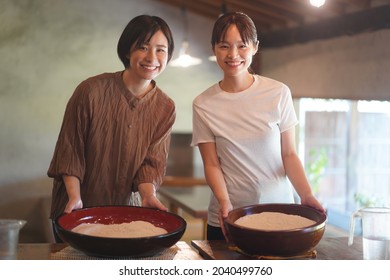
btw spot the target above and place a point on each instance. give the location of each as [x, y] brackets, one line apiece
[274, 221]
[133, 229]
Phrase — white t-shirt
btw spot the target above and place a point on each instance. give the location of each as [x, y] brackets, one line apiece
[246, 128]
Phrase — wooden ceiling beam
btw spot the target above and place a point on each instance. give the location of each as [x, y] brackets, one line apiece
[329, 8]
[268, 10]
[295, 8]
[359, 22]
[255, 14]
[205, 8]
[278, 15]
[362, 4]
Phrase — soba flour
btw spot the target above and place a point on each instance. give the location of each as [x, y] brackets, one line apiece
[274, 221]
[125, 230]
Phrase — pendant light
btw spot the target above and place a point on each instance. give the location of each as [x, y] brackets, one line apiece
[317, 3]
[184, 59]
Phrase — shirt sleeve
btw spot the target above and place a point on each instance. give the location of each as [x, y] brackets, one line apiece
[288, 117]
[68, 157]
[153, 167]
[201, 132]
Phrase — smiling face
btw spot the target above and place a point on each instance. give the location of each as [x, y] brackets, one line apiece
[234, 56]
[149, 59]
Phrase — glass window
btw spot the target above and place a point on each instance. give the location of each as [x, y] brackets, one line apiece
[345, 148]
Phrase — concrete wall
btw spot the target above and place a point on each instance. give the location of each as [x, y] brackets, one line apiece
[48, 47]
[348, 67]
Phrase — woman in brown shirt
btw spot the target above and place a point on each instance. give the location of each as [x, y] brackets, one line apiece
[115, 134]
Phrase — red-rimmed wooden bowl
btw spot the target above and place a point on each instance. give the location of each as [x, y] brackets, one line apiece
[120, 247]
[285, 243]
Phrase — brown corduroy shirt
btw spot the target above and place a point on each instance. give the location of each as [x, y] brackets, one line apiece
[111, 141]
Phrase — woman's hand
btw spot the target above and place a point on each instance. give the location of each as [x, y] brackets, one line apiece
[153, 202]
[311, 201]
[73, 204]
[225, 208]
[72, 185]
[149, 198]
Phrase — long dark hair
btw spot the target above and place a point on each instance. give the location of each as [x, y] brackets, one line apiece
[138, 31]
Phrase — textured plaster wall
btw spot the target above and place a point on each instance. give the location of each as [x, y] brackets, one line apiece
[350, 67]
[48, 47]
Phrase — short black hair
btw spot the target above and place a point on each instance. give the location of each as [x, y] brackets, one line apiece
[138, 31]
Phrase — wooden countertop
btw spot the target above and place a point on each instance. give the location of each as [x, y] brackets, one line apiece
[327, 249]
[177, 181]
[194, 200]
[46, 251]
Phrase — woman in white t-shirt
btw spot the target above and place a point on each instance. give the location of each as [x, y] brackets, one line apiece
[244, 128]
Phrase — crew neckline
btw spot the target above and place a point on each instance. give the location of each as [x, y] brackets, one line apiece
[255, 81]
